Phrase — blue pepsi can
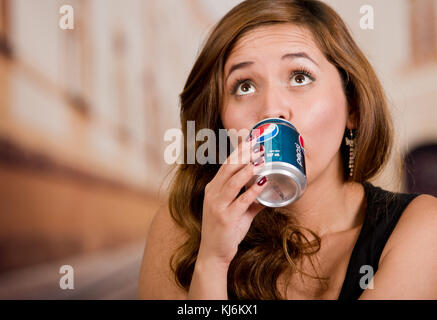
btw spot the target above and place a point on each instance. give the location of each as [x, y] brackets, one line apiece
[284, 167]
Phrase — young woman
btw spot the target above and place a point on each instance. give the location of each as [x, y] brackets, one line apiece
[344, 238]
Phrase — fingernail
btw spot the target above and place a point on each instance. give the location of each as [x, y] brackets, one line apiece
[258, 148]
[249, 138]
[262, 181]
[258, 161]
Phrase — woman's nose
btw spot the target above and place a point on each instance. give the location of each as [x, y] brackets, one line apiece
[276, 103]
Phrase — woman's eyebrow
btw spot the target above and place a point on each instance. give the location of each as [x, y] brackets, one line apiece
[245, 64]
[298, 55]
[236, 66]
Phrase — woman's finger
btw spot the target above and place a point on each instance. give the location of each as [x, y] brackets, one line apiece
[243, 202]
[254, 209]
[234, 185]
[236, 160]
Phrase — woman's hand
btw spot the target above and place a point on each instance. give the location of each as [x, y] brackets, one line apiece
[226, 218]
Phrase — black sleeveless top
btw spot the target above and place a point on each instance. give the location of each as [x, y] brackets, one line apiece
[383, 210]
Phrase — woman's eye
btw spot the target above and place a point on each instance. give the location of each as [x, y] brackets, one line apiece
[300, 79]
[245, 88]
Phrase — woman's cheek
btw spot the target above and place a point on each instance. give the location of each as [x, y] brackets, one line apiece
[240, 115]
[322, 132]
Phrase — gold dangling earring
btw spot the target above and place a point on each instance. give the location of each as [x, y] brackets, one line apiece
[351, 143]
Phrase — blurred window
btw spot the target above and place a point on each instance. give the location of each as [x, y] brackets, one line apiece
[421, 170]
[76, 59]
[423, 18]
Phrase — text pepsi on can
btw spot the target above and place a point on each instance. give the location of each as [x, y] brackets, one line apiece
[284, 166]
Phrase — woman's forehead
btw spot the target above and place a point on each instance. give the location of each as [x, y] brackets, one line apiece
[279, 38]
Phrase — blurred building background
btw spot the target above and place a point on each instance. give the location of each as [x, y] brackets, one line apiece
[83, 114]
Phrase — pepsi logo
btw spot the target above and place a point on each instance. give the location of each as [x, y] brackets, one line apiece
[266, 132]
[301, 143]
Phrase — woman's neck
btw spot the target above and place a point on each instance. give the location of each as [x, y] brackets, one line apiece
[329, 205]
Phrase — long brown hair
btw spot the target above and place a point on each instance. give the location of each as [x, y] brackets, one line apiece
[273, 243]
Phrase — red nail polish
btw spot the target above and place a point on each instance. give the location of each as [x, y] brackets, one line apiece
[262, 181]
[250, 138]
[261, 147]
[258, 161]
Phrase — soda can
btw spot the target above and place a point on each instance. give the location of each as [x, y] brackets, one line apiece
[284, 166]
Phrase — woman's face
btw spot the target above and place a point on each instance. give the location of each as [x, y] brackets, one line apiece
[278, 71]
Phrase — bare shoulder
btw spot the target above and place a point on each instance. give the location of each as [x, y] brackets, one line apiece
[156, 278]
[407, 267]
[424, 203]
[418, 220]
[420, 214]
